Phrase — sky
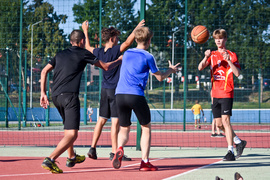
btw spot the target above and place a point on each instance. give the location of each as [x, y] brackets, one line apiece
[65, 7]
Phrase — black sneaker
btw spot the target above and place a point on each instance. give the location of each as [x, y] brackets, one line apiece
[213, 135]
[237, 176]
[111, 156]
[77, 159]
[229, 156]
[124, 158]
[92, 153]
[240, 148]
[220, 135]
[218, 178]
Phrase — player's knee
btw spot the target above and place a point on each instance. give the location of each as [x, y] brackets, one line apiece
[102, 121]
[220, 126]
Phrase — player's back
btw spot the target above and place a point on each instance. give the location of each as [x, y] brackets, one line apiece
[134, 71]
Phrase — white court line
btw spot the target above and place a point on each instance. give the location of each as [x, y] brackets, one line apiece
[178, 175]
[78, 171]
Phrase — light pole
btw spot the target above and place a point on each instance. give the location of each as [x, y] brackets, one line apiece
[31, 75]
[173, 64]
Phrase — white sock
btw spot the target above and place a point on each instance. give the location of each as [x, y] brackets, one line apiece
[236, 140]
[145, 160]
[230, 148]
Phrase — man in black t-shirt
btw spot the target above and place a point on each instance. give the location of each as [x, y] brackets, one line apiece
[108, 109]
[68, 67]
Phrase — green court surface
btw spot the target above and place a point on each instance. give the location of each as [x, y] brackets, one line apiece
[253, 164]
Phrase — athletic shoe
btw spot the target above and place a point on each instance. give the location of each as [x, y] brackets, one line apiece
[218, 178]
[92, 153]
[199, 127]
[77, 159]
[220, 135]
[229, 156]
[117, 159]
[147, 167]
[213, 135]
[111, 156]
[124, 158]
[51, 166]
[237, 176]
[240, 148]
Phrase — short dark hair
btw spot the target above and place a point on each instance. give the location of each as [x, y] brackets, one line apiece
[220, 34]
[108, 33]
[76, 36]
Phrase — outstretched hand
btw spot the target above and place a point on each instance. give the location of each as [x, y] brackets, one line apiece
[141, 24]
[173, 67]
[85, 26]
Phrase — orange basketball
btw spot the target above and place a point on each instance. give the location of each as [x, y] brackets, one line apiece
[200, 34]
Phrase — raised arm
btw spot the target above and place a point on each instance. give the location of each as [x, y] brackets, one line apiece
[44, 102]
[204, 63]
[162, 75]
[85, 26]
[109, 65]
[131, 37]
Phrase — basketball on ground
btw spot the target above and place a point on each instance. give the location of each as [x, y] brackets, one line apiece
[200, 34]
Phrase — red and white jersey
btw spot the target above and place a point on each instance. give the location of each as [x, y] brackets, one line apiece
[221, 74]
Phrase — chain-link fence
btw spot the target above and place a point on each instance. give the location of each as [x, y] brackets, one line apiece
[46, 26]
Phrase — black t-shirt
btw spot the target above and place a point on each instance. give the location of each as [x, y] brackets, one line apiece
[110, 77]
[68, 66]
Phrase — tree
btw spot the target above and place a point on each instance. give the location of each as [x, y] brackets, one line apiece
[248, 30]
[48, 38]
[116, 13]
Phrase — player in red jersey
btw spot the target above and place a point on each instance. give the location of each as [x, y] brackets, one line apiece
[223, 64]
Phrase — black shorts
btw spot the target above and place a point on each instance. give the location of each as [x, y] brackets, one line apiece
[128, 102]
[222, 106]
[108, 107]
[68, 105]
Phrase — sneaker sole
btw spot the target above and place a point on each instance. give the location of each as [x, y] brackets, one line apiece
[238, 156]
[52, 171]
[148, 169]
[228, 160]
[116, 162]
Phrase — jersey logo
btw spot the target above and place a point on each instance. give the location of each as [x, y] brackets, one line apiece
[221, 72]
[220, 76]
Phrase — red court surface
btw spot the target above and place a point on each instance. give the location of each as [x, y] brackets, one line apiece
[30, 168]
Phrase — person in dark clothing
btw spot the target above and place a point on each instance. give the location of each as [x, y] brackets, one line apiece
[107, 110]
[68, 66]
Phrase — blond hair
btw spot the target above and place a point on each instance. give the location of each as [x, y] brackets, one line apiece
[220, 34]
[143, 35]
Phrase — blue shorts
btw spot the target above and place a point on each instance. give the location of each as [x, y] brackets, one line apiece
[197, 116]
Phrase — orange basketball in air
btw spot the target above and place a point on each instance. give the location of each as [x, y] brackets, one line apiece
[200, 34]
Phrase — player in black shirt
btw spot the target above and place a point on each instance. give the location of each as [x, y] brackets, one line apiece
[68, 67]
